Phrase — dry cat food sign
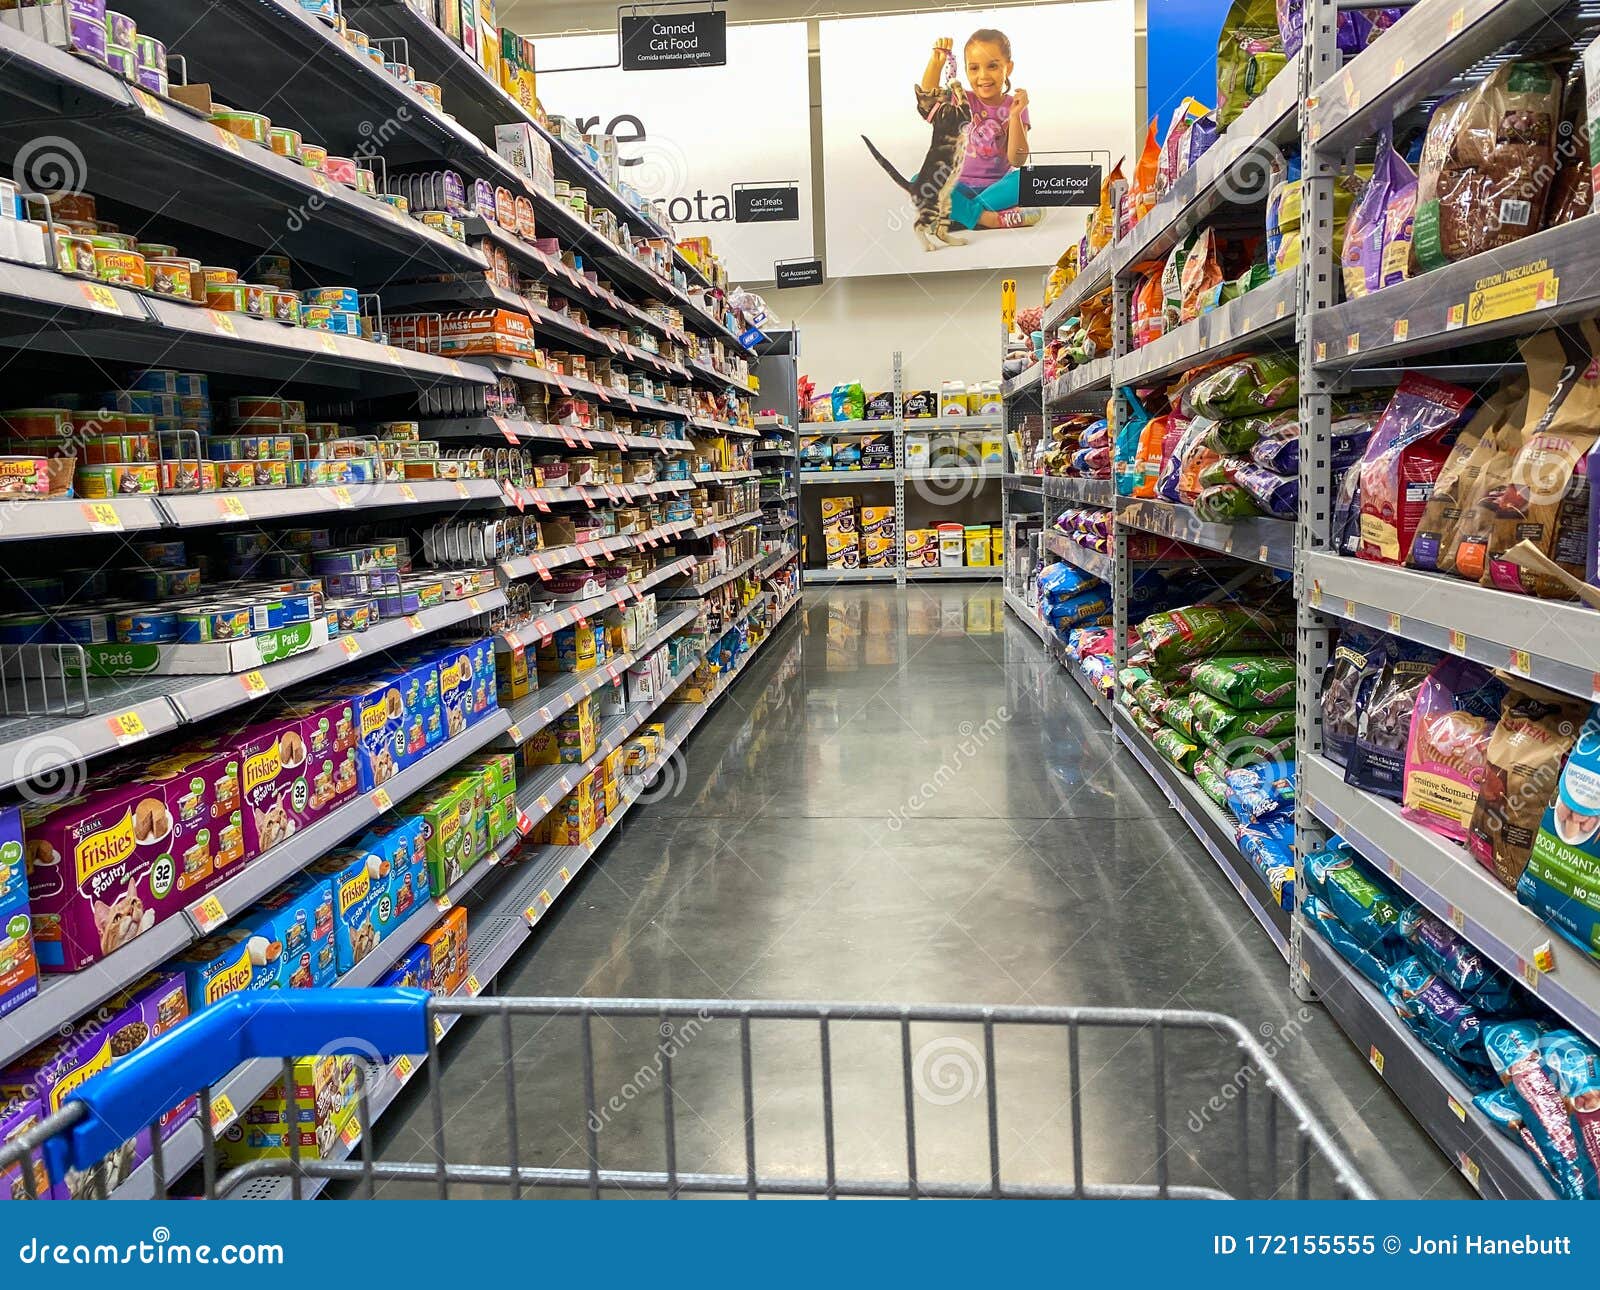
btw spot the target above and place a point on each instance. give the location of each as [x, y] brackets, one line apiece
[656, 42]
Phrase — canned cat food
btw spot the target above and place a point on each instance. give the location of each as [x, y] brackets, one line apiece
[37, 423]
[342, 585]
[341, 170]
[247, 125]
[155, 250]
[118, 267]
[396, 200]
[352, 559]
[402, 72]
[24, 476]
[108, 449]
[123, 61]
[207, 623]
[313, 156]
[170, 276]
[430, 91]
[146, 627]
[285, 142]
[347, 299]
[256, 302]
[74, 252]
[161, 583]
[84, 627]
[161, 555]
[216, 276]
[236, 474]
[285, 307]
[120, 479]
[247, 406]
[272, 473]
[227, 297]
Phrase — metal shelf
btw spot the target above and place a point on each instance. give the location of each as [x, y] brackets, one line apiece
[1086, 492]
[1458, 890]
[1017, 605]
[515, 431]
[1090, 377]
[557, 557]
[722, 476]
[772, 563]
[1025, 483]
[1092, 278]
[1024, 382]
[815, 478]
[1251, 321]
[1562, 638]
[547, 624]
[1211, 826]
[966, 572]
[695, 590]
[1433, 41]
[1100, 564]
[949, 474]
[194, 510]
[1260, 540]
[717, 526]
[75, 518]
[1497, 1167]
[822, 577]
[1057, 649]
[1540, 280]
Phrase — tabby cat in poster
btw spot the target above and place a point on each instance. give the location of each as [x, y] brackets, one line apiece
[936, 178]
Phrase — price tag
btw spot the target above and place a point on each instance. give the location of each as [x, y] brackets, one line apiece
[208, 915]
[1402, 328]
[1458, 919]
[222, 1112]
[100, 297]
[408, 493]
[1458, 20]
[1544, 958]
[505, 429]
[101, 517]
[1394, 621]
[531, 914]
[414, 623]
[126, 728]
[227, 138]
[1399, 68]
[341, 497]
[319, 181]
[1349, 609]
[1395, 870]
[351, 646]
[474, 604]
[396, 356]
[1375, 1058]
[1352, 96]
[1305, 969]
[329, 343]
[540, 502]
[253, 683]
[524, 824]
[1521, 662]
[1456, 318]
[438, 1034]
[402, 1068]
[1458, 641]
[565, 876]
[546, 897]
[380, 799]
[1322, 351]
[473, 988]
[462, 491]
[443, 902]
[222, 323]
[151, 104]
[1456, 1109]
[1352, 343]
[1529, 971]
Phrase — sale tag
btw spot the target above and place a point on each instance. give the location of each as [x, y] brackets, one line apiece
[222, 323]
[253, 682]
[101, 517]
[1375, 1058]
[126, 728]
[100, 297]
[350, 645]
[222, 1112]
[524, 824]
[380, 799]
[208, 915]
[227, 138]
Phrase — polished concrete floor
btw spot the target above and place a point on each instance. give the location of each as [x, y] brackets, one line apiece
[906, 801]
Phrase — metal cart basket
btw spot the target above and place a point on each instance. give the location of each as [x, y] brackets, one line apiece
[1139, 1063]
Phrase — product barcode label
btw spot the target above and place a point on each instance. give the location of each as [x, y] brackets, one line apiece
[1515, 211]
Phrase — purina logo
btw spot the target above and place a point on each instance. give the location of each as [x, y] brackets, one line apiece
[1060, 185]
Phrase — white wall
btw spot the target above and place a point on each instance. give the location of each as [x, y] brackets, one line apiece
[946, 325]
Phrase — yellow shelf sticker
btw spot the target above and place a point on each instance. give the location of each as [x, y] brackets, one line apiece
[222, 1113]
[1514, 292]
[102, 517]
[253, 683]
[208, 915]
[350, 645]
[126, 727]
[99, 296]
[380, 799]
[1375, 1058]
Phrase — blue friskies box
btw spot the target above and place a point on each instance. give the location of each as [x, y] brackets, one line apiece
[397, 720]
[466, 683]
[19, 968]
[416, 969]
[285, 942]
[377, 884]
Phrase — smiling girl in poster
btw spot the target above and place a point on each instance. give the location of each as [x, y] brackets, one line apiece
[987, 193]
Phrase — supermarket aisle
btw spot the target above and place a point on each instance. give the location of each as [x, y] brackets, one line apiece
[905, 801]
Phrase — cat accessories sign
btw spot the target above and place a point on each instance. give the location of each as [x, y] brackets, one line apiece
[1060, 185]
[797, 273]
[656, 42]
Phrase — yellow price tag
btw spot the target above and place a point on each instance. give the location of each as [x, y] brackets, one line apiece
[1529, 972]
[209, 915]
[414, 623]
[565, 876]
[150, 103]
[1521, 662]
[1305, 968]
[329, 343]
[474, 604]
[342, 498]
[253, 682]
[1375, 1058]
[1544, 958]
[396, 356]
[1458, 919]
[232, 508]
[438, 1029]
[1469, 1170]
[222, 323]
[1458, 20]
[408, 493]
[350, 645]
[1458, 641]
[100, 297]
[350, 1135]
[1394, 621]
[462, 490]
[102, 517]
[319, 181]
[402, 1068]
[1456, 1109]
[531, 914]
[222, 1113]
[127, 727]
[443, 903]
[380, 799]
[473, 987]
[546, 897]
[1352, 343]
[227, 138]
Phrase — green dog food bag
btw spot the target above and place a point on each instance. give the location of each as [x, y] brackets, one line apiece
[1219, 724]
[1248, 681]
[1196, 632]
[1177, 748]
[1179, 714]
[1211, 782]
[1247, 386]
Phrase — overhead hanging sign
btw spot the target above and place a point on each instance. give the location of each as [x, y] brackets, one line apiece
[797, 273]
[661, 42]
[676, 144]
[1060, 185]
[765, 203]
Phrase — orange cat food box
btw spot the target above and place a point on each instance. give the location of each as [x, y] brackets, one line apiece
[108, 864]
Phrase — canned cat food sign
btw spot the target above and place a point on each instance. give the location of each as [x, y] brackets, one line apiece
[659, 42]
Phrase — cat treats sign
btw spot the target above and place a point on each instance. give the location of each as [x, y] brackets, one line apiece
[700, 138]
[931, 122]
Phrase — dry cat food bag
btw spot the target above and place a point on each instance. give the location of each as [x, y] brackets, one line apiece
[1210, 780]
[1448, 742]
[1178, 712]
[1273, 494]
[1434, 546]
[1202, 274]
[1172, 281]
[1224, 503]
[1141, 194]
[1149, 322]
[1547, 501]
[1526, 752]
[1445, 1022]
[1514, 1048]
[1174, 146]
[1245, 386]
[1403, 459]
[1351, 673]
[1562, 881]
[1378, 753]
[1376, 248]
[1249, 54]
[1178, 748]
[1487, 164]
[1247, 682]
[1104, 224]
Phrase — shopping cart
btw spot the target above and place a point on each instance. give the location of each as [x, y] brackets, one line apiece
[1096, 1060]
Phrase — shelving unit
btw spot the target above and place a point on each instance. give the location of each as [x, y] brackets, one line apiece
[1328, 106]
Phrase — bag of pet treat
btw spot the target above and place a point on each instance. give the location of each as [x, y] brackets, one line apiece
[1537, 728]
[1513, 1047]
[1433, 548]
[1487, 163]
[1562, 881]
[1447, 745]
[1357, 663]
[1378, 753]
[1547, 502]
[1403, 459]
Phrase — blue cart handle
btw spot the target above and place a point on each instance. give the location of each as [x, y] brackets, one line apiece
[200, 1051]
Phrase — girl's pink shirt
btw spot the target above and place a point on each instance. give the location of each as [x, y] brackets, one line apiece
[986, 142]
